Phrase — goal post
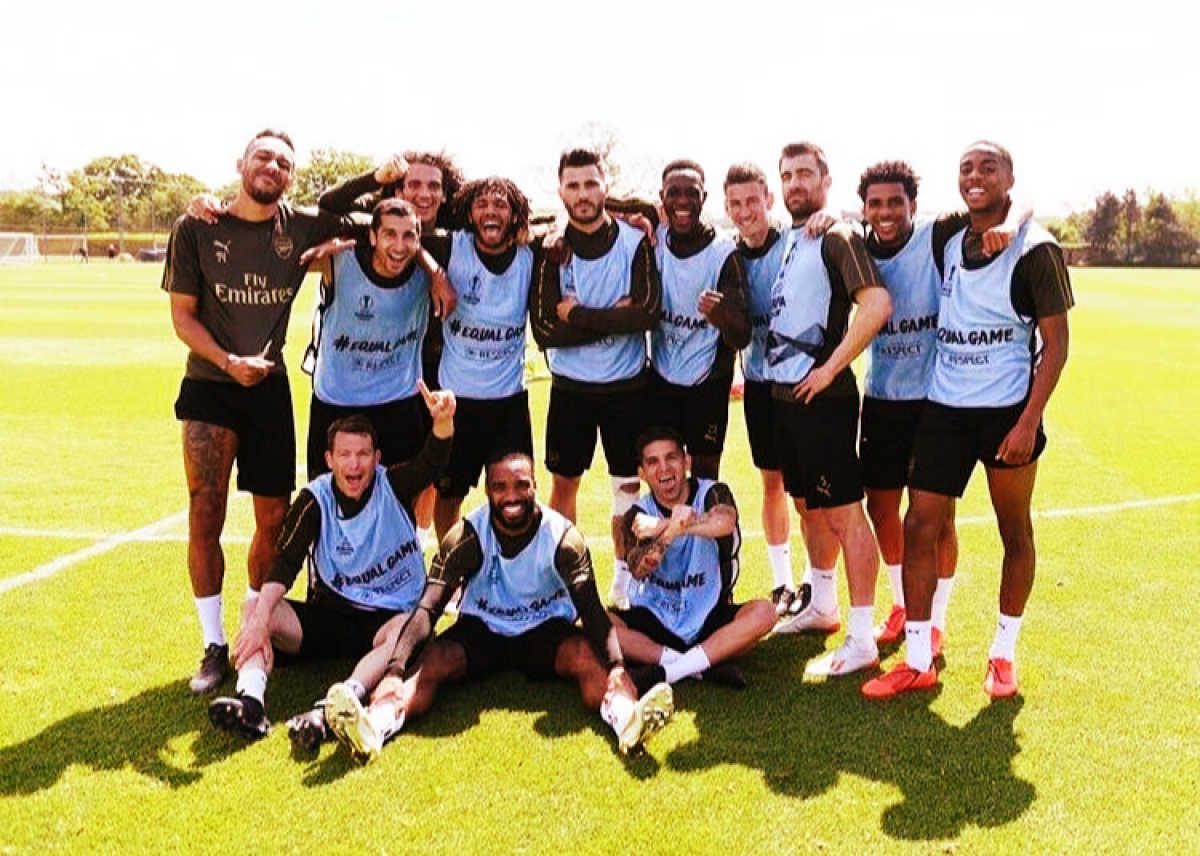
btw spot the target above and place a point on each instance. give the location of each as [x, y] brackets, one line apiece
[17, 247]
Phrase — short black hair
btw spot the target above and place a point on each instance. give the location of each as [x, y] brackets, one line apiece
[745, 173]
[681, 164]
[355, 423]
[392, 205]
[889, 172]
[579, 157]
[794, 150]
[655, 433]
[503, 453]
[1005, 154]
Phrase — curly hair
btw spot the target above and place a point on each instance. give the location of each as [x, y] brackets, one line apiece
[889, 172]
[472, 190]
[452, 181]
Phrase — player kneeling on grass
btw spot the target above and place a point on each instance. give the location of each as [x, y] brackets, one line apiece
[367, 570]
[527, 578]
[683, 541]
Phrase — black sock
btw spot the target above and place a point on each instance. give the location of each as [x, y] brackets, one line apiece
[252, 708]
[645, 677]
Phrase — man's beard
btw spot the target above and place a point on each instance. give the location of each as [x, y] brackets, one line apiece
[598, 212]
[520, 525]
[801, 209]
[262, 197]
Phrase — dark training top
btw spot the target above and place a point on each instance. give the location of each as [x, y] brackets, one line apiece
[245, 276]
[461, 557]
[727, 545]
[1041, 286]
[731, 316]
[360, 194]
[585, 323]
[302, 525]
[850, 268]
[945, 227]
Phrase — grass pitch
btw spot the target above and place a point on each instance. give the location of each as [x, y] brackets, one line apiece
[102, 747]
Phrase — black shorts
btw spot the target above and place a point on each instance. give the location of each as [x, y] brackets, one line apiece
[261, 416]
[328, 632]
[700, 413]
[885, 441]
[401, 425]
[760, 408]
[951, 439]
[817, 450]
[644, 621]
[481, 428]
[532, 653]
[571, 425]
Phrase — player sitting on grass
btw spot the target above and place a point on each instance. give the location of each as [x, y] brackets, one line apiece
[367, 570]
[527, 577]
[683, 541]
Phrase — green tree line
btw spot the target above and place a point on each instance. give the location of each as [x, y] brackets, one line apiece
[1161, 231]
[125, 192]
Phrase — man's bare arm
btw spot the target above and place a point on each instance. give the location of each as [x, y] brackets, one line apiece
[246, 370]
[1017, 446]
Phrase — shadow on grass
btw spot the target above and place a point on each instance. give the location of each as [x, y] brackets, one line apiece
[135, 734]
[131, 734]
[458, 708]
[804, 736]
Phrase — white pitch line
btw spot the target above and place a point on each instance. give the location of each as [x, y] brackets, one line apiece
[1096, 510]
[1050, 513]
[151, 535]
[99, 548]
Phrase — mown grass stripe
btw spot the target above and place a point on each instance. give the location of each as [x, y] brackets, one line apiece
[110, 543]
[149, 535]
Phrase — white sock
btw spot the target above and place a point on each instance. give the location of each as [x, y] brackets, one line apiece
[212, 619]
[780, 557]
[808, 575]
[693, 661]
[385, 719]
[918, 646]
[360, 692]
[862, 625]
[824, 590]
[1004, 645]
[252, 681]
[617, 710]
[941, 601]
[620, 580]
[425, 537]
[897, 581]
[668, 655]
